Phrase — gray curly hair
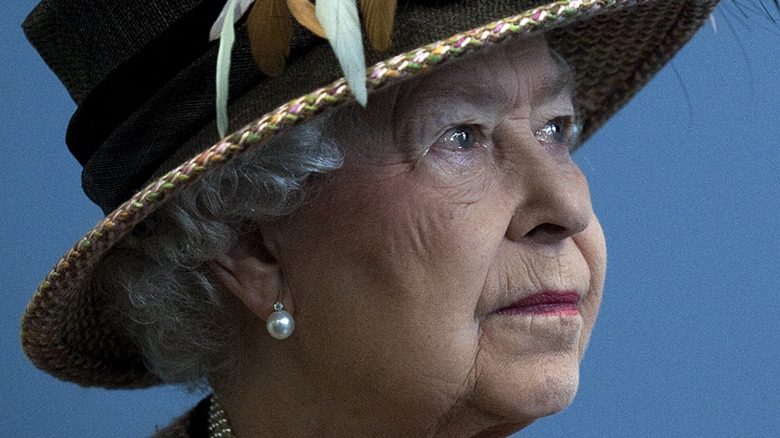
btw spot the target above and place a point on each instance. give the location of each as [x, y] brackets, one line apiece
[170, 304]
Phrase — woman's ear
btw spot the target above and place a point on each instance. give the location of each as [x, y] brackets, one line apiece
[250, 271]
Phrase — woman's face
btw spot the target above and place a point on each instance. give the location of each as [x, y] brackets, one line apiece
[449, 275]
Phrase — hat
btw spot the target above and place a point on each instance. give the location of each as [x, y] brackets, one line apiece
[143, 76]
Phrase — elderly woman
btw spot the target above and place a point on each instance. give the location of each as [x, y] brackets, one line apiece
[414, 257]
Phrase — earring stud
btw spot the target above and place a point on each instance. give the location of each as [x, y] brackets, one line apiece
[280, 323]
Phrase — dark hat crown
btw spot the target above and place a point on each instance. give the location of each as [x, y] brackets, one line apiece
[83, 41]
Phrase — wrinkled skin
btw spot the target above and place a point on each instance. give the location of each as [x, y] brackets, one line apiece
[457, 198]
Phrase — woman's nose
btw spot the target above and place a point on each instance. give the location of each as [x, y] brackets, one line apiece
[553, 202]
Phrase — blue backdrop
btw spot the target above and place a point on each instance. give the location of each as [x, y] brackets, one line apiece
[684, 179]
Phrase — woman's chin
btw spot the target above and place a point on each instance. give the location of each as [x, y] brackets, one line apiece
[506, 402]
[552, 395]
[526, 392]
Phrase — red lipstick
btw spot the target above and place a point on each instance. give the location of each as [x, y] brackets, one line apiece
[561, 302]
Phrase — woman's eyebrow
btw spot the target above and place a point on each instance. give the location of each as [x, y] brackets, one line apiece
[555, 86]
[465, 92]
[562, 83]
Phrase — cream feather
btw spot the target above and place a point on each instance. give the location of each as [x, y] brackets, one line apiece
[341, 22]
[226, 38]
[237, 8]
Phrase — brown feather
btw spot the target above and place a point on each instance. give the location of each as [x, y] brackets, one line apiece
[378, 18]
[270, 30]
[304, 11]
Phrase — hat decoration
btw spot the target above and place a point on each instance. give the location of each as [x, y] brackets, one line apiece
[270, 31]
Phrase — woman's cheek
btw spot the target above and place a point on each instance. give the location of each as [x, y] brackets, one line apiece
[457, 177]
[593, 249]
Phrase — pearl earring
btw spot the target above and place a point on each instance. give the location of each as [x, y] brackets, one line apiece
[280, 323]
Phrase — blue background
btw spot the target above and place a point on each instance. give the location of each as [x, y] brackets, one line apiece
[684, 179]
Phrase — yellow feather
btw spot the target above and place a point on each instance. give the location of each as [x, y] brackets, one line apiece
[378, 18]
[304, 12]
[270, 30]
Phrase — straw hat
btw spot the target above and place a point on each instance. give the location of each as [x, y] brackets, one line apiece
[143, 76]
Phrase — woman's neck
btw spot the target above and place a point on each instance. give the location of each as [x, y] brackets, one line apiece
[278, 396]
[257, 419]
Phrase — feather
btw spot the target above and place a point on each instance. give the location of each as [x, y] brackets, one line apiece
[270, 30]
[378, 18]
[341, 22]
[304, 13]
[226, 38]
[241, 6]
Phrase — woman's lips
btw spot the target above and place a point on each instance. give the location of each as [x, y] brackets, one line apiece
[559, 302]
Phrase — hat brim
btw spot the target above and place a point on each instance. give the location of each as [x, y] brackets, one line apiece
[614, 46]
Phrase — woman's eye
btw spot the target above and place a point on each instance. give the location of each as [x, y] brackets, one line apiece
[555, 131]
[458, 138]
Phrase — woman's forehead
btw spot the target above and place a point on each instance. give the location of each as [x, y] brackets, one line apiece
[517, 74]
[485, 74]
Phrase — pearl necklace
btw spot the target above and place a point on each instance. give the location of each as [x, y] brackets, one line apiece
[219, 427]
